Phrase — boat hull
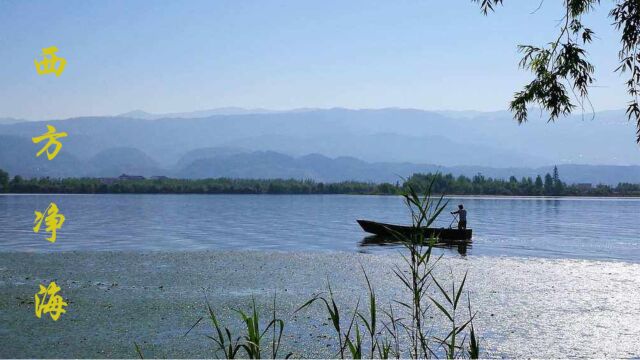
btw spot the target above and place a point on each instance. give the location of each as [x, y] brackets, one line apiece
[443, 235]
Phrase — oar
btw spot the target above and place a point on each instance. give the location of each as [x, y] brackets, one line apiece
[455, 217]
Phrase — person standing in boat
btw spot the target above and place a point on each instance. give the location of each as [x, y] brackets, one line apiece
[462, 222]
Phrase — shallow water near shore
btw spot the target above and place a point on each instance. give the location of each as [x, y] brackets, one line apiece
[578, 228]
[526, 307]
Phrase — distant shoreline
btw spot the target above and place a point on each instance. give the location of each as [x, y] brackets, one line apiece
[457, 196]
[478, 185]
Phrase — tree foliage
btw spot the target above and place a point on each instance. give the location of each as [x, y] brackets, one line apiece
[526, 186]
[4, 181]
[562, 71]
[547, 185]
[195, 186]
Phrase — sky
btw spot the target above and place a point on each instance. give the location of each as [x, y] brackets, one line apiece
[162, 56]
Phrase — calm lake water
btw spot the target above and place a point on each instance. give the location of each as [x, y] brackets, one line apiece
[580, 228]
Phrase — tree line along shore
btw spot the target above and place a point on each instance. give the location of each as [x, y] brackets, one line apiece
[547, 185]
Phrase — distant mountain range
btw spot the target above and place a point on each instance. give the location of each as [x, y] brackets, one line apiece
[369, 145]
[8, 120]
[239, 163]
[140, 114]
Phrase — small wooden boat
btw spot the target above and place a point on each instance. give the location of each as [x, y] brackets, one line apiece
[450, 236]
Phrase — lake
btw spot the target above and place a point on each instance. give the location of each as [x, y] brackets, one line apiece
[553, 277]
[575, 228]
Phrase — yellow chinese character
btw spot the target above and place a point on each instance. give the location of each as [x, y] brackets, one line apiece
[53, 220]
[54, 304]
[50, 62]
[52, 138]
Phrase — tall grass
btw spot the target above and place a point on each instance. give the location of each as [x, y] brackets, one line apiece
[418, 278]
[419, 266]
[406, 329]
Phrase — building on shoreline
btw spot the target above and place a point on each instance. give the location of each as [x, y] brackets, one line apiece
[131, 177]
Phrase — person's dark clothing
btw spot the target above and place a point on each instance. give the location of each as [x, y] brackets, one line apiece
[462, 223]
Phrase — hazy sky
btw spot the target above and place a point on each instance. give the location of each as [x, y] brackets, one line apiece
[191, 55]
